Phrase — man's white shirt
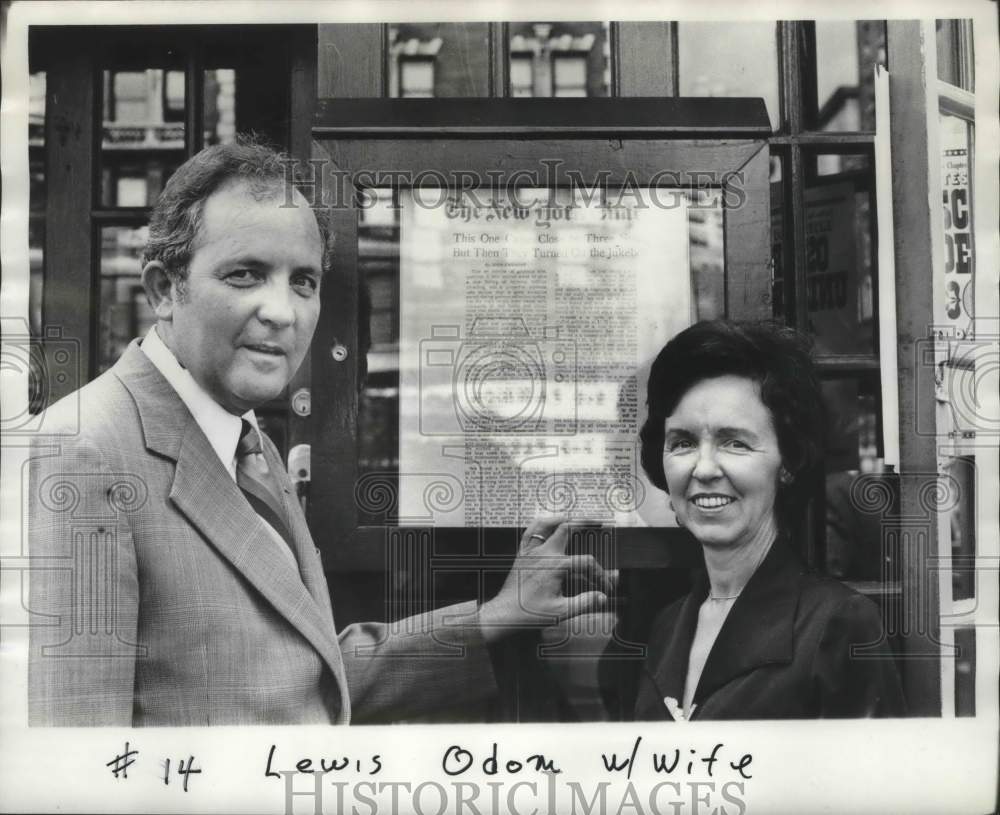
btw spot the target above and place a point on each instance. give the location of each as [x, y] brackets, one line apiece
[221, 428]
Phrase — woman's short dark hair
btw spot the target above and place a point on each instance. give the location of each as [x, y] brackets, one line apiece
[778, 360]
[177, 215]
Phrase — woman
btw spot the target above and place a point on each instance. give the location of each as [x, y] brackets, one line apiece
[734, 436]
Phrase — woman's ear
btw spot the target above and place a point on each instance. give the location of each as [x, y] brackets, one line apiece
[670, 503]
[785, 477]
[160, 289]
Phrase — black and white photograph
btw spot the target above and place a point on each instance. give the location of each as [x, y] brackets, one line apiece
[500, 407]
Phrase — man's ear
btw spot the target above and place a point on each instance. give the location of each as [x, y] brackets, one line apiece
[160, 289]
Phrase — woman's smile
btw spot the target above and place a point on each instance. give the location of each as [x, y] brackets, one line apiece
[721, 461]
[710, 502]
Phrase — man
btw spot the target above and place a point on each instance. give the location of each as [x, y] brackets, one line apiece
[175, 568]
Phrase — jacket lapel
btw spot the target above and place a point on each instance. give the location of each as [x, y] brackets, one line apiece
[671, 665]
[306, 553]
[311, 573]
[759, 629]
[207, 495]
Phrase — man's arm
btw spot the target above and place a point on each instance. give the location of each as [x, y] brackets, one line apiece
[419, 665]
[83, 589]
[440, 660]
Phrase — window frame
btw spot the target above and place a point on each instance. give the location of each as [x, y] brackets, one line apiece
[976, 612]
[427, 136]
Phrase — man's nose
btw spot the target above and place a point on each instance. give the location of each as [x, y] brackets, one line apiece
[276, 307]
[706, 466]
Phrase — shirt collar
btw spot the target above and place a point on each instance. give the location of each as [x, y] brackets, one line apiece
[221, 428]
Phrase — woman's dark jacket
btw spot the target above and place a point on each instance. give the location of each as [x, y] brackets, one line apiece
[794, 645]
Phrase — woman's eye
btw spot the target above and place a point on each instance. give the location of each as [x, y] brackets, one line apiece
[679, 445]
[736, 444]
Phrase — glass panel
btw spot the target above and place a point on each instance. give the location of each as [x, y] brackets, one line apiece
[955, 63]
[564, 273]
[522, 79]
[36, 232]
[846, 53]
[439, 59]
[560, 59]
[779, 248]
[416, 78]
[706, 253]
[36, 260]
[840, 253]
[955, 306]
[378, 407]
[569, 76]
[730, 59]
[855, 548]
[220, 106]
[173, 96]
[124, 311]
[965, 671]
[962, 525]
[36, 140]
[36, 198]
[143, 133]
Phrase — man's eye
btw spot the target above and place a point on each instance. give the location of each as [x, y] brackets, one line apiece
[305, 283]
[241, 277]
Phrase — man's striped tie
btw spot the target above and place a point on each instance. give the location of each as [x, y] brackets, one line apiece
[258, 484]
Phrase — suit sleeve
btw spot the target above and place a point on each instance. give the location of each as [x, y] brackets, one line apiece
[420, 665]
[854, 669]
[83, 589]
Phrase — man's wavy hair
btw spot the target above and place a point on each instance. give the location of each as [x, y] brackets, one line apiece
[177, 215]
[778, 360]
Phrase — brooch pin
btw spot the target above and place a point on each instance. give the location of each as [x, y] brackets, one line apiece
[675, 710]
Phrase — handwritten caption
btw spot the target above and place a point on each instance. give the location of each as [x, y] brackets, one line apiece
[687, 763]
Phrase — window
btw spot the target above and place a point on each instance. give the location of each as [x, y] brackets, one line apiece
[128, 100]
[456, 59]
[569, 75]
[416, 77]
[955, 58]
[173, 96]
[559, 59]
[846, 52]
[220, 106]
[36, 232]
[143, 130]
[729, 59]
[961, 363]
[522, 74]
[132, 191]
